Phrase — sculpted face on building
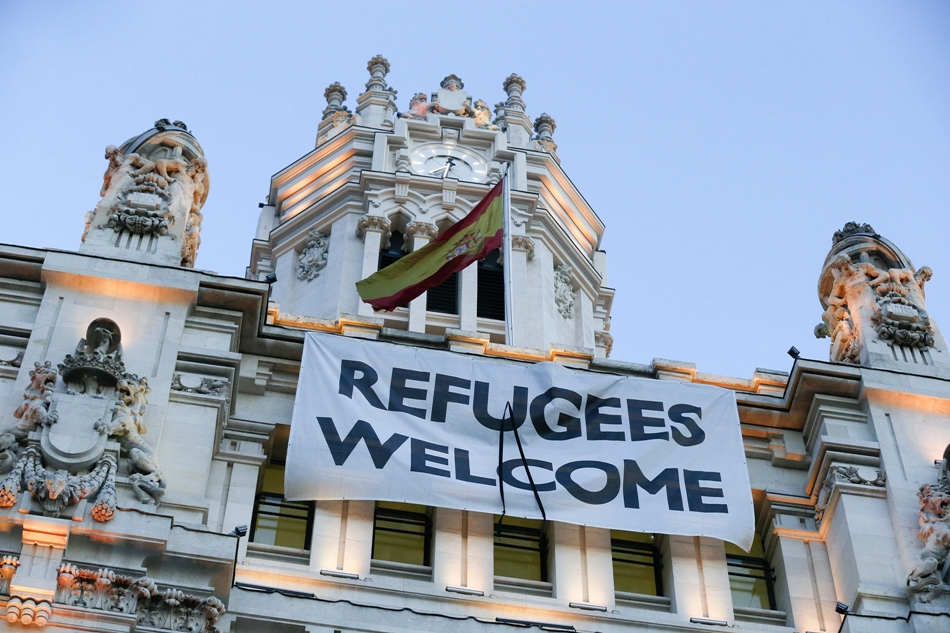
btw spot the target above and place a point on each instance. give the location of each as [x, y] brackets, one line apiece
[146, 407]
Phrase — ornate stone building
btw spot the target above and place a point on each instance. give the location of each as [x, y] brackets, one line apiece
[145, 408]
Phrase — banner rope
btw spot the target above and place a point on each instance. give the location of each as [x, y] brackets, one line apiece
[510, 415]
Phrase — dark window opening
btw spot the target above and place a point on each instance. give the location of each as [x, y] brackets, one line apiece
[402, 533]
[751, 578]
[443, 298]
[277, 521]
[637, 563]
[491, 288]
[521, 549]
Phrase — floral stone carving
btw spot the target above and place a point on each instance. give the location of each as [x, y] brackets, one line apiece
[206, 387]
[564, 290]
[169, 609]
[849, 474]
[313, 257]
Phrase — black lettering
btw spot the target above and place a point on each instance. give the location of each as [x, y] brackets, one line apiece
[633, 478]
[341, 449]
[507, 468]
[677, 415]
[638, 422]
[441, 396]
[519, 407]
[594, 419]
[364, 383]
[570, 424]
[594, 497]
[463, 470]
[695, 492]
[398, 391]
[419, 458]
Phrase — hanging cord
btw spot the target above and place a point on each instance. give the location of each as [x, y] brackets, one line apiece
[510, 415]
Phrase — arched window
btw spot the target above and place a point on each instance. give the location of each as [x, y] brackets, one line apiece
[443, 298]
[491, 288]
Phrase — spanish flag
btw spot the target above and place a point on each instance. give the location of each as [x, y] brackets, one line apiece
[469, 240]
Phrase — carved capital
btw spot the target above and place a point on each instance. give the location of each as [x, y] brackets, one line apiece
[378, 68]
[523, 243]
[375, 223]
[544, 126]
[335, 95]
[840, 473]
[419, 228]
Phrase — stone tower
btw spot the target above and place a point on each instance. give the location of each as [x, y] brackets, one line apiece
[875, 306]
[375, 181]
[152, 194]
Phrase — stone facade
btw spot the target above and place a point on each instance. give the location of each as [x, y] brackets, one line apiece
[143, 405]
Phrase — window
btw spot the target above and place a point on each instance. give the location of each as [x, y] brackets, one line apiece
[277, 521]
[521, 549]
[637, 563]
[402, 533]
[443, 298]
[491, 288]
[750, 577]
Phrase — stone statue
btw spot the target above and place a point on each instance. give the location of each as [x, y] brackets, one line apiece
[37, 397]
[418, 107]
[152, 192]
[924, 580]
[483, 116]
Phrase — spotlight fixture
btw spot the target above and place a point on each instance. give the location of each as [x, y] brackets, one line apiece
[270, 277]
[842, 608]
[239, 531]
[465, 591]
[709, 621]
[586, 606]
[333, 573]
[793, 352]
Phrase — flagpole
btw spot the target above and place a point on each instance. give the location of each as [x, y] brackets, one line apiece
[506, 251]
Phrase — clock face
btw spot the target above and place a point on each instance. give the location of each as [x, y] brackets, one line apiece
[433, 159]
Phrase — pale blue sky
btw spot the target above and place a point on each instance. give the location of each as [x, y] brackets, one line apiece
[721, 143]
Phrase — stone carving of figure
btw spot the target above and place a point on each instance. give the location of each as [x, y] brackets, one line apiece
[483, 116]
[418, 107]
[113, 156]
[924, 580]
[101, 348]
[198, 171]
[37, 397]
[564, 291]
[191, 241]
[164, 167]
[90, 218]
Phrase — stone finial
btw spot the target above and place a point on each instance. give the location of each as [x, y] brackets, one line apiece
[500, 115]
[514, 86]
[452, 82]
[335, 94]
[378, 68]
[545, 125]
[853, 228]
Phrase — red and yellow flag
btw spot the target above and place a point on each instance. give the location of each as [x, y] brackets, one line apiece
[472, 238]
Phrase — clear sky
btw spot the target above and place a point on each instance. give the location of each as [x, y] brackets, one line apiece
[722, 143]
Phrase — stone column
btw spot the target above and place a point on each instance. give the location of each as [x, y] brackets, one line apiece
[582, 569]
[697, 578]
[463, 554]
[342, 538]
[468, 299]
[418, 234]
[374, 230]
[803, 580]
[522, 251]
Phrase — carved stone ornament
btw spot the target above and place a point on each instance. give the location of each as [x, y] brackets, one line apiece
[313, 258]
[514, 87]
[523, 243]
[169, 609]
[604, 339]
[413, 229]
[378, 68]
[28, 611]
[337, 120]
[375, 223]
[418, 108]
[14, 361]
[850, 474]
[564, 290]
[66, 461]
[853, 228]
[335, 95]
[483, 116]
[152, 193]
[925, 580]
[206, 386]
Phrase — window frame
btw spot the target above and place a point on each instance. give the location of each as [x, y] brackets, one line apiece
[645, 548]
[261, 497]
[757, 563]
[423, 518]
[521, 532]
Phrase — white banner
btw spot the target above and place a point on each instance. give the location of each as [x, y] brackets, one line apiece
[382, 421]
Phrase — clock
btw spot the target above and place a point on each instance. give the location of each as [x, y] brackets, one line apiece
[448, 161]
